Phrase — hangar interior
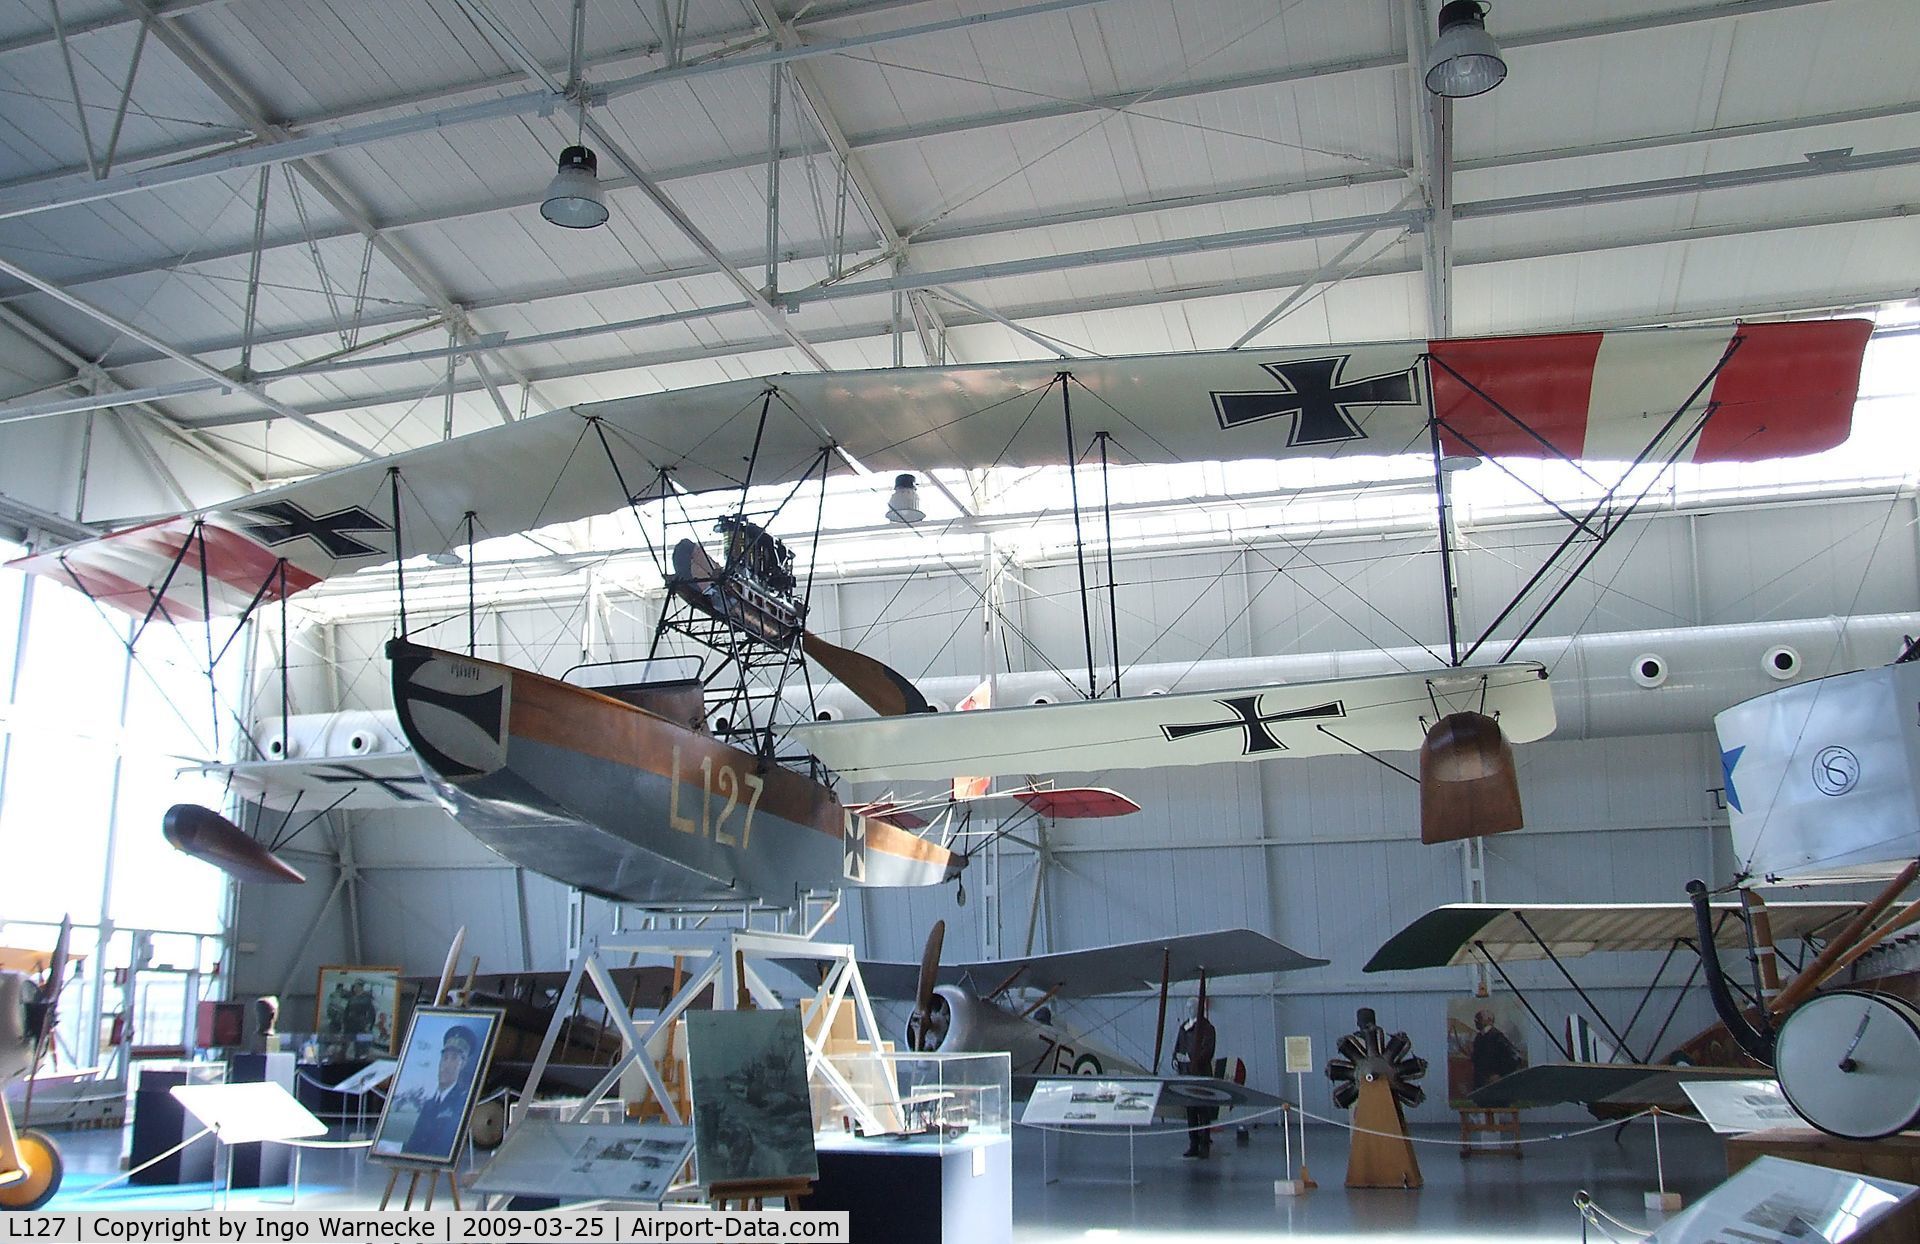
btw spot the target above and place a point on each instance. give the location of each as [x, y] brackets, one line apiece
[247, 243]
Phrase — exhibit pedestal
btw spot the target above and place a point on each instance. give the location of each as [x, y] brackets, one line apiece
[160, 1123]
[259, 1164]
[919, 1192]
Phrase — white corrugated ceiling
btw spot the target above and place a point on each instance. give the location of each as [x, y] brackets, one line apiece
[1120, 175]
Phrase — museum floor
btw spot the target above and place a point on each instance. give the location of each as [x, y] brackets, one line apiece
[1076, 1187]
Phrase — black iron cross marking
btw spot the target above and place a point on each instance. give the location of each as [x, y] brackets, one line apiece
[1314, 392]
[395, 786]
[1248, 718]
[286, 521]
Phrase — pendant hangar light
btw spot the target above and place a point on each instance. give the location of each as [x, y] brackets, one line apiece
[573, 199]
[904, 505]
[1465, 60]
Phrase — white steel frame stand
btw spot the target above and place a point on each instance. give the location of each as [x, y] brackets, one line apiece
[729, 961]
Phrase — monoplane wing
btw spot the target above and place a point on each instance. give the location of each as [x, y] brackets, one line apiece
[1459, 933]
[1622, 1087]
[1767, 390]
[1100, 970]
[1384, 712]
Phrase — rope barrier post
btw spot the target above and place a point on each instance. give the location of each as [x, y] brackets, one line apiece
[1662, 1201]
[1292, 1185]
[1300, 1088]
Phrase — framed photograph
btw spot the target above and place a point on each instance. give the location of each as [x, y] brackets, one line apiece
[355, 1013]
[1486, 1040]
[443, 1066]
[752, 1115]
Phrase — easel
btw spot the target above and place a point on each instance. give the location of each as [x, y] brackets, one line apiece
[432, 1173]
[753, 1194]
[415, 1169]
[1475, 1123]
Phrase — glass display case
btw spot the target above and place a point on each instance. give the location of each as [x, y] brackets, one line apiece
[926, 1099]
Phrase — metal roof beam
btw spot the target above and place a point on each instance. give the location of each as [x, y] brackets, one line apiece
[985, 227]
[283, 145]
[1364, 223]
[164, 12]
[179, 356]
[875, 208]
[614, 58]
[86, 376]
[199, 62]
[504, 40]
[1147, 297]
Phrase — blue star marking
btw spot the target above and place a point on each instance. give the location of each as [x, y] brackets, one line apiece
[1727, 761]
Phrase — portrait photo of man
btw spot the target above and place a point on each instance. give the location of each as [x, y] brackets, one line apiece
[442, 1070]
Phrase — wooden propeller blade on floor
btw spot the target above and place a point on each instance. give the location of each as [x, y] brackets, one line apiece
[886, 691]
[1468, 784]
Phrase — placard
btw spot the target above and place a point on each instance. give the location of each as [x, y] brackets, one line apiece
[1776, 1201]
[242, 1113]
[1300, 1056]
[1088, 1101]
[1732, 1107]
[587, 1161]
[368, 1077]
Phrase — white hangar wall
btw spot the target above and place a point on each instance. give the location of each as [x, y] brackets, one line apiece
[1322, 853]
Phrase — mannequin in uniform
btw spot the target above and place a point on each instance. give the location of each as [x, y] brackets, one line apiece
[1193, 1056]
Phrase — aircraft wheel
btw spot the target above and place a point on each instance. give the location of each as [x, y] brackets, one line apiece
[42, 1159]
[489, 1125]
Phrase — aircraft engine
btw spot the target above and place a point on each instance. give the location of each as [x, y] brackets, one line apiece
[961, 1023]
[16, 1030]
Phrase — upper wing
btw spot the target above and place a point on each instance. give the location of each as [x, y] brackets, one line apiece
[1448, 936]
[1384, 712]
[1774, 389]
[1124, 968]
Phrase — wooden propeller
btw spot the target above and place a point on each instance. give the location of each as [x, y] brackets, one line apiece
[923, 995]
[1468, 784]
[885, 690]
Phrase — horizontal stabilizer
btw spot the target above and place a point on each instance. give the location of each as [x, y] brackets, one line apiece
[1342, 716]
[1124, 968]
[1062, 803]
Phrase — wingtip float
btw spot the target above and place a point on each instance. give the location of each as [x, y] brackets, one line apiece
[206, 835]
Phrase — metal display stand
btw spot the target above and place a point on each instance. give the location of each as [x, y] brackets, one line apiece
[730, 961]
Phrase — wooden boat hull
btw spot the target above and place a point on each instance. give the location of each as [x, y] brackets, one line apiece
[603, 795]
